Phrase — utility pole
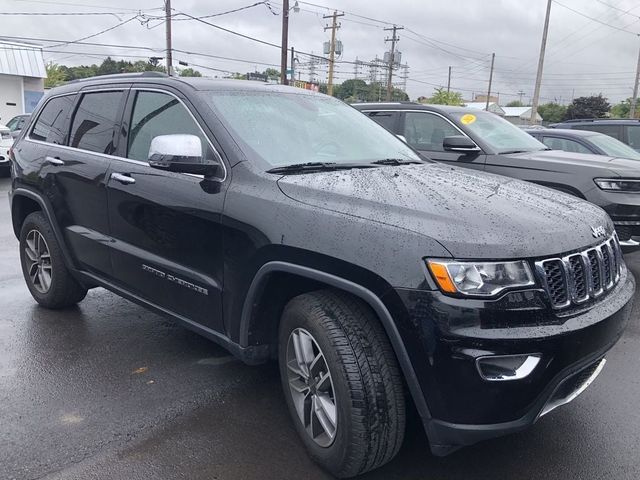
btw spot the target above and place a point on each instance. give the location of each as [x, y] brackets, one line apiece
[520, 95]
[394, 39]
[167, 18]
[332, 48]
[493, 57]
[634, 100]
[293, 64]
[543, 46]
[285, 41]
[449, 81]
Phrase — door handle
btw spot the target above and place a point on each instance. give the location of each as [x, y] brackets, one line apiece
[122, 178]
[56, 162]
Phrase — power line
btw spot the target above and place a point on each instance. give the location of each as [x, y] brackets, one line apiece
[594, 19]
[95, 34]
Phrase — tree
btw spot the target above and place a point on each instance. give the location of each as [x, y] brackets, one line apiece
[515, 103]
[55, 75]
[190, 72]
[595, 106]
[552, 112]
[622, 109]
[442, 97]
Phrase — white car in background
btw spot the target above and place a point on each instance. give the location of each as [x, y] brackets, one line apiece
[6, 140]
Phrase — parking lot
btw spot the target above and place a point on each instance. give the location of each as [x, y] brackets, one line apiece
[109, 390]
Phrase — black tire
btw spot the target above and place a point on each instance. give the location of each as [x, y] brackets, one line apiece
[63, 290]
[365, 376]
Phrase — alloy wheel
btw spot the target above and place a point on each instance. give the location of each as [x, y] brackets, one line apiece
[38, 261]
[311, 387]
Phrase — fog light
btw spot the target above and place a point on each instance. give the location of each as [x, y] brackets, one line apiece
[501, 368]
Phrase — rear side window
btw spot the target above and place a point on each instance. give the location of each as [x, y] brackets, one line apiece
[386, 119]
[633, 134]
[93, 126]
[50, 126]
[157, 114]
[612, 130]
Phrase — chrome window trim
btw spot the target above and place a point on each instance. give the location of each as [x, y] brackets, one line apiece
[123, 159]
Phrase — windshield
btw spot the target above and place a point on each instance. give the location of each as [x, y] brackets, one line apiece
[292, 128]
[497, 133]
[615, 148]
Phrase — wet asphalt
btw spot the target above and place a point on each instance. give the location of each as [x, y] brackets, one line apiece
[108, 390]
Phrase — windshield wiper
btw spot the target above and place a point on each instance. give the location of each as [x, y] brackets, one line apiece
[396, 161]
[514, 151]
[315, 166]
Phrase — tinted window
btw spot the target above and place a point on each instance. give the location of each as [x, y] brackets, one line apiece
[94, 122]
[50, 126]
[611, 130]
[565, 144]
[425, 131]
[157, 114]
[633, 134]
[613, 147]
[386, 119]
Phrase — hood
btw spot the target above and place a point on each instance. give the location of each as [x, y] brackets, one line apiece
[561, 161]
[471, 214]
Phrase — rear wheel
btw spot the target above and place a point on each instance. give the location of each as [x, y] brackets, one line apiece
[47, 277]
[342, 382]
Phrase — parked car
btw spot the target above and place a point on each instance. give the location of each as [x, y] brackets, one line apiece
[583, 141]
[484, 141]
[625, 130]
[6, 140]
[17, 123]
[283, 224]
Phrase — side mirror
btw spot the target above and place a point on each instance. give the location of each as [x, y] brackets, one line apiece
[180, 153]
[459, 143]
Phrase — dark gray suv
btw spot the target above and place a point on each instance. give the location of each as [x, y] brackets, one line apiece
[484, 141]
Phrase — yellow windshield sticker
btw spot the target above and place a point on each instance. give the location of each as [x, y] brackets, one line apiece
[468, 118]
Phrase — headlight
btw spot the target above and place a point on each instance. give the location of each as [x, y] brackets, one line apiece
[480, 278]
[618, 184]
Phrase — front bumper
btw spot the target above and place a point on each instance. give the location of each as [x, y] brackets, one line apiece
[450, 334]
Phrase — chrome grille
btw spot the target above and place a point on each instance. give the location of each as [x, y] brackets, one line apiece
[576, 278]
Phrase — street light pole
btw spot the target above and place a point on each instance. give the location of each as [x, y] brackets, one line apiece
[167, 15]
[285, 41]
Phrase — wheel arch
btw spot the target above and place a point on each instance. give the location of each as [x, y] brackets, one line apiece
[308, 279]
[25, 202]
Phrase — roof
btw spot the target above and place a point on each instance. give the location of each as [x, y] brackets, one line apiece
[479, 105]
[22, 59]
[194, 83]
[563, 132]
[609, 121]
[408, 106]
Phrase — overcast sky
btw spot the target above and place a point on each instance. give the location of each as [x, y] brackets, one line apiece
[583, 56]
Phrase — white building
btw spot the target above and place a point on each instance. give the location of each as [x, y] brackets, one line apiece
[493, 107]
[22, 75]
[520, 115]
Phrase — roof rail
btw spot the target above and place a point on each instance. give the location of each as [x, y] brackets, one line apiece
[575, 120]
[122, 75]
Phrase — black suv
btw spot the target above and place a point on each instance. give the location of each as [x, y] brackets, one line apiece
[282, 223]
[483, 141]
[625, 130]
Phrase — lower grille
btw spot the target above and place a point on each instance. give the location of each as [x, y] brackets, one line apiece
[575, 278]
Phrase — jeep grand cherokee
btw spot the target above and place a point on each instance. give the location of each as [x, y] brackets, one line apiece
[282, 223]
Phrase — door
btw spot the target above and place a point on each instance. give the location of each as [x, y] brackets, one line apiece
[166, 227]
[426, 131]
[74, 169]
[81, 169]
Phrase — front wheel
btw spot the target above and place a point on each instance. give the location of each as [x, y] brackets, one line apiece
[47, 277]
[341, 381]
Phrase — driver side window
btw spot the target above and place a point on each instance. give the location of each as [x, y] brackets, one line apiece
[426, 131]
[154, 114]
